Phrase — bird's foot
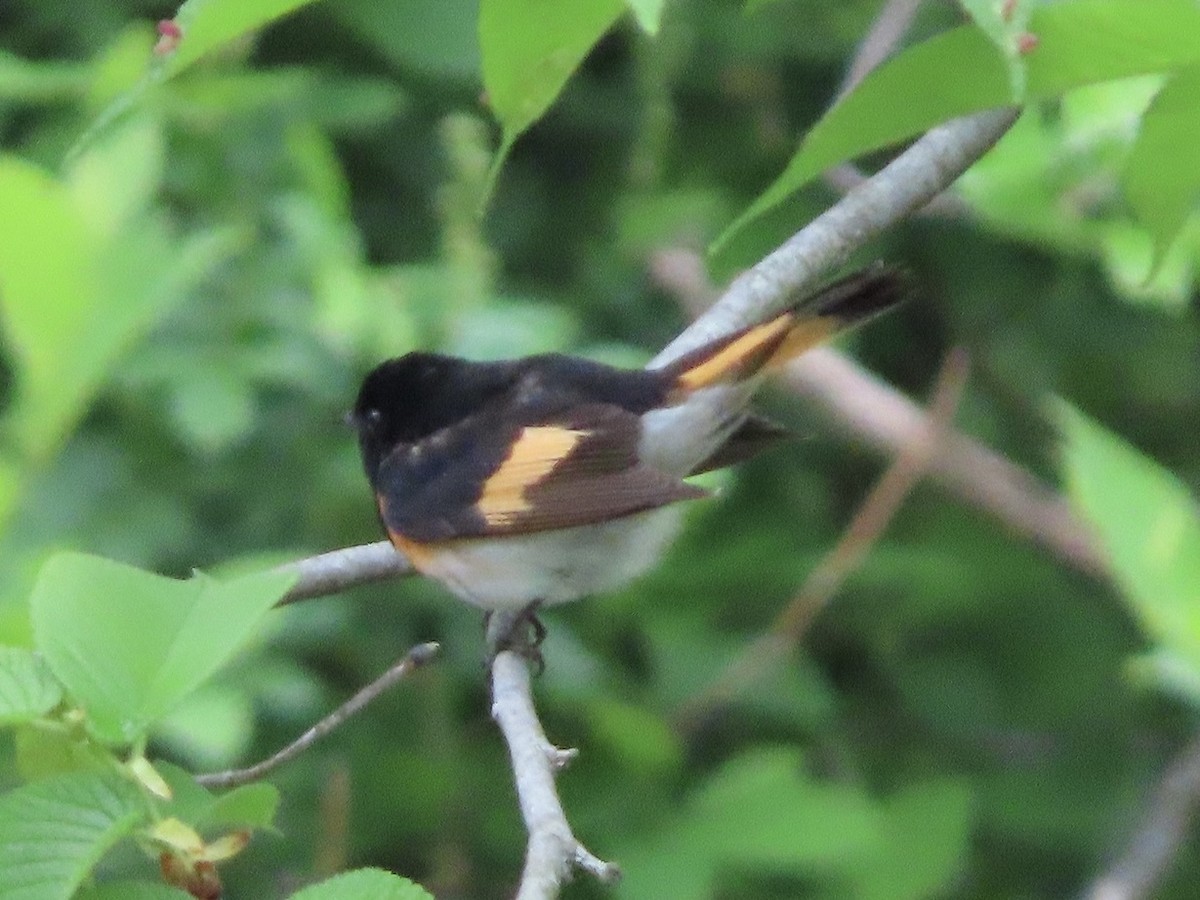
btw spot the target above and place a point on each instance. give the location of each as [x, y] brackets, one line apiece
[521, 633]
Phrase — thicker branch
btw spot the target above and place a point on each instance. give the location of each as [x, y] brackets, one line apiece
[333, 572]
[907, 183]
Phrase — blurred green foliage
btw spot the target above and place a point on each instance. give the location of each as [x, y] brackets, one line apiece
[202, 251]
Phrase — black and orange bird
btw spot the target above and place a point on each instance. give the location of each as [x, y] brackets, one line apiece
[541, 480]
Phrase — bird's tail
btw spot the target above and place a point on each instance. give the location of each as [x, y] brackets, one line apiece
[844, 304]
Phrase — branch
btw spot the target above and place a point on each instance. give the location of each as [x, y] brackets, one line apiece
[879, 417]
[414, 659]
[1157, 840]
[553, 852]
[333, 572]
[884, 35]
[860, 536]
[882, 418]
[903, 186]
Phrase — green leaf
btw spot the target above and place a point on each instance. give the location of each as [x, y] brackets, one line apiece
[40, 81]
[1080, 42]
[641, 740]
[132, 890]
[364, 884]
[27, 687]
[758, 813]
[1147, 523]
[52, 832]
[648, 13]
[129, 644]
[529, 48]
[436, 37]
[924, 843]
[1161, 178]
[49, 260]
[1004, 25]
[247, 806]
[209, 24]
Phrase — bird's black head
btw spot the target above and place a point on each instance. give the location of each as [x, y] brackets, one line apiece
[399, 402]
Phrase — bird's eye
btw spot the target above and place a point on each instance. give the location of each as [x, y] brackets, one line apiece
[372, 417]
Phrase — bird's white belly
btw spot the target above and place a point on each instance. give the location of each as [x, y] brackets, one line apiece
[556, 566]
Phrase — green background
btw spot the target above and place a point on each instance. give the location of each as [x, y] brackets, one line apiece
[197, 271]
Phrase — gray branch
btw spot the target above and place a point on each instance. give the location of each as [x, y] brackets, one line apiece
[903, 186]
[553, 852]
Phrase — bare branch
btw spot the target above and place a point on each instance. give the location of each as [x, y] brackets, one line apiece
[885, 34]
[332, 572]
[906, 184]
[863, 532]
[879, 417]
[885, 420]
[553, 851]
[414, 659]
[1154, 845]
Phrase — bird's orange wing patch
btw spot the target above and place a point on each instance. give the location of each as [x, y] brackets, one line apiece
[535, 452]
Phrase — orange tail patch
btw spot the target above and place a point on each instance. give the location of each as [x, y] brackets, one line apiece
[742, 356]
[843, 304]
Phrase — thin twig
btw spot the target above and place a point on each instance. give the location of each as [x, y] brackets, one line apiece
[414, 659]
[1156, 842]
[553, 852]
[864, 530]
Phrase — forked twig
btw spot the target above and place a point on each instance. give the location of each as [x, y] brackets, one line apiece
[553, 852]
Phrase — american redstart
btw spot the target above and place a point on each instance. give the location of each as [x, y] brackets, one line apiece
[541, 480]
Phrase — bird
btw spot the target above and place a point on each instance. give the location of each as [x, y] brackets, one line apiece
[526, 483]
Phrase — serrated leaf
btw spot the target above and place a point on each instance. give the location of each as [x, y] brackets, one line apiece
[27, 686]
[1161, 178]
[52, 832]
[364, 884]
[1081, 42]
[529, 48]
[45, 751]
[1148, 525]
[129, 644]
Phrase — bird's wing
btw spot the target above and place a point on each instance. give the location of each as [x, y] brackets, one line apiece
[482, 477]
